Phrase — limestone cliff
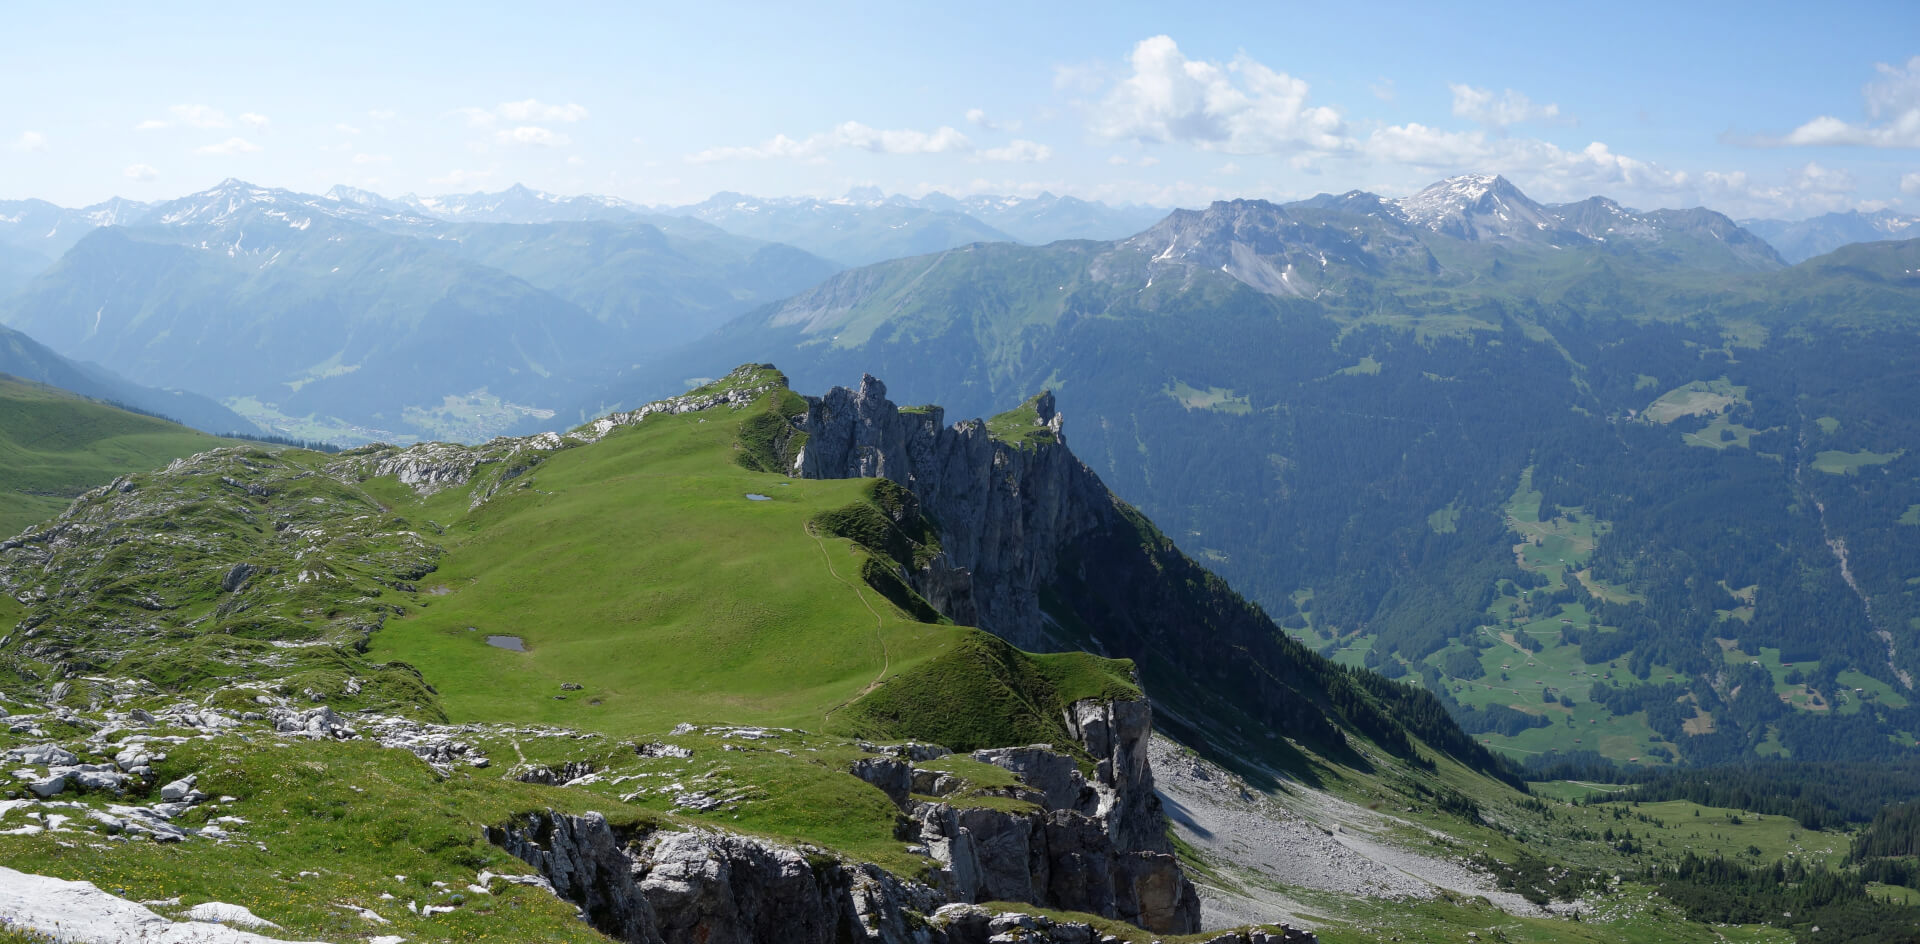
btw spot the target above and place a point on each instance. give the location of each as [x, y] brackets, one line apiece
[1094, 845]
[705, 887]
[1006, 514]
[1036, 550]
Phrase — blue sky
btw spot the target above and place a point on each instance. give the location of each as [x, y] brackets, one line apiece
[1752, 108]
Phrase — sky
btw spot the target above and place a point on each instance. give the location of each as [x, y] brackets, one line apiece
[1757, 109]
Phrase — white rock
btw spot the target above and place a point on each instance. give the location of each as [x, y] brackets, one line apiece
[47, 786]
[81, 913]
[228, 914]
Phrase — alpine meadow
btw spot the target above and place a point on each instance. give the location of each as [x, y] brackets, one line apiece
[744, 475]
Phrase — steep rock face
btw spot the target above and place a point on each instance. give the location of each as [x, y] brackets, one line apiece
[1096, 846]
[1005, 513]
[1034, 549]
[682, 887]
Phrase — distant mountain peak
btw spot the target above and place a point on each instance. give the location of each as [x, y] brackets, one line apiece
[1476, 207]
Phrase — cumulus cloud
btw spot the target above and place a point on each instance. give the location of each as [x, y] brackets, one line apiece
[143, 173]
[530, 110]
[152, 124]
[850, 135]
[1893, 115]
[1497, 111]
[30, 141]
[345, 128]
[1810, 189]
[1241, 107]
[1018, 151]
[532, 136]
[229, 147]
[254, 120]
[978, 118]
[372, 159]
[382, 114]
[1546, 165]
[1910, 183]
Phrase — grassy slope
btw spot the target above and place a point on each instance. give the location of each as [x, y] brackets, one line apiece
[639, 569]
[55, 445]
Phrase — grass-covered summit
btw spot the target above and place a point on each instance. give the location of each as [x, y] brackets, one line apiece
[640, 558]
[55, 445]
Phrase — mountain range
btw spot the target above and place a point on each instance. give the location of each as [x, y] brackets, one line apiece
[1799, 240]
[274, 301]
[1552, 520]
[1475, 439]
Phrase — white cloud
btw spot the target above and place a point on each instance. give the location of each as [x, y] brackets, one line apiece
[254, 120]
[151, 124]
[228, 147]
[1552, 170]
[345, 128]
[1416, 144]
[372, 159]
[1807, 190]
[143, 173]
[1242, 107]
[1497, 111]
[1910, 183]
[576, 161]
[462, 178]
[1019, 151]
[1118, 160]
[1228, 169]
[850, 135]
[533, 110]
[532, 136]
[1893, 110]
[382, 114]
[977, 117]
[30, 141]
[1813, 178]
[1382, 89]
[527, 111]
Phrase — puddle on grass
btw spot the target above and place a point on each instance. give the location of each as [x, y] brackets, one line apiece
[756, 496]
[507, 642]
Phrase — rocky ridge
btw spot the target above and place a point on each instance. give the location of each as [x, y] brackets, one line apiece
[1068, 842]
[1036, 550]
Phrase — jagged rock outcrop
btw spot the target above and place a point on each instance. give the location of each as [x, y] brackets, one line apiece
[1005, 512]
[1096, 845]
[687, 886]
[1036, 550]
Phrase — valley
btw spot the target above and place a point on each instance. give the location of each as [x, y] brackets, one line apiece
[1492, 655]
[760, 474]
